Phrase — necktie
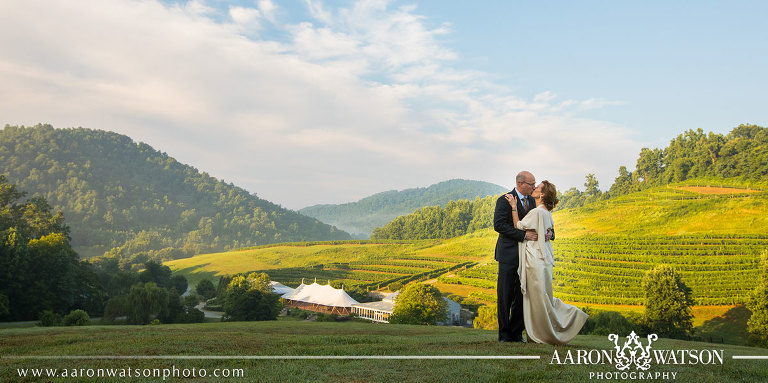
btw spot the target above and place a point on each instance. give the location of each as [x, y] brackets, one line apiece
[525, 203]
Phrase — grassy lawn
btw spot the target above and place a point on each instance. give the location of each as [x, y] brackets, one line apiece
[292, 337]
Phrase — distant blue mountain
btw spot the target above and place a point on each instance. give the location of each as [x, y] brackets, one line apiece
[361, 217]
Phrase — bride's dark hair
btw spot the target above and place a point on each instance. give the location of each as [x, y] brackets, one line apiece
[549, 195]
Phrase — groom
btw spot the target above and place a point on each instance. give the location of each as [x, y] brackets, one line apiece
[509, 297]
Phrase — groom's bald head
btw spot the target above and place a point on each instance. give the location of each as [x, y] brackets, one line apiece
[526, 182]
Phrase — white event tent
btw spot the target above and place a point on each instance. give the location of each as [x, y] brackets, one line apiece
[321, 298]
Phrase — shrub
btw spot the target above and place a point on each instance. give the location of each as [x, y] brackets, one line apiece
[327, 318]
[609, 322]
[190, 315]
[77, 318]
[214, 304]
[48, 318]
[298, 313]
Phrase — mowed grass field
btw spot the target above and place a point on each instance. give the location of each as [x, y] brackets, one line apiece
[233, 342]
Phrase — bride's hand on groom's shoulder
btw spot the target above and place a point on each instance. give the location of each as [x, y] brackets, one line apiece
[511, 198]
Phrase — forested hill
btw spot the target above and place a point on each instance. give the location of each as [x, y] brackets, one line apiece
[361, 217]
[138, 203]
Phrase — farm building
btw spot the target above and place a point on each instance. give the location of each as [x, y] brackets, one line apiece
[320, 298]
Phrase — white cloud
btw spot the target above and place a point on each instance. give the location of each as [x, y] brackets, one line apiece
[268, 9]
[248, 19]
[357, 101]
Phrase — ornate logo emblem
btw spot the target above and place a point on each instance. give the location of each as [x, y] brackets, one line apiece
[633, 352]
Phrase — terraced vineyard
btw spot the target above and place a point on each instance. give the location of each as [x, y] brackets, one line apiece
[362, 263]
[713, 232]
[371, 274]
[720, 270]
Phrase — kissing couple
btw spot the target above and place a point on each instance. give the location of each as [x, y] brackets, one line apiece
[523, 219]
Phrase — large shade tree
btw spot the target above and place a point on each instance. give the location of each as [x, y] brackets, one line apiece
[250, 298]
[668, 302]
[758, 305]
[419, 303]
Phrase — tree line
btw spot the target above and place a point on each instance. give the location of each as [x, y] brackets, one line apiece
[436, 222]
[134, 203]
[43, 278]
[741, 154]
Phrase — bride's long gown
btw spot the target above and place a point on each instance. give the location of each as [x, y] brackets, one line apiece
[547, 319]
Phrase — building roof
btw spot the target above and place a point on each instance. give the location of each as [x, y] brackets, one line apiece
[321, 295]
[391, 297]
[378, 306]
[279, 288]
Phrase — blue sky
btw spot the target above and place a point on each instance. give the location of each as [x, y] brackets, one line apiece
[306, 102]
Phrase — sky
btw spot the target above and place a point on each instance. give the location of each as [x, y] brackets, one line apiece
[310, 102]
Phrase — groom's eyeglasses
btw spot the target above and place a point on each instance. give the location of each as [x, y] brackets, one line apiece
[533, 184]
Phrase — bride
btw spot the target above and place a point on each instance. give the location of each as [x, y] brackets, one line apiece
[547, 319]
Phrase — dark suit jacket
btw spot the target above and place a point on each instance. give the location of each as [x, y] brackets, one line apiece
[509, 235]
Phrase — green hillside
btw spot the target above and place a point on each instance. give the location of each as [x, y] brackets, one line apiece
[234, 348]
[361, 217]
[140, 203]
[713, 233]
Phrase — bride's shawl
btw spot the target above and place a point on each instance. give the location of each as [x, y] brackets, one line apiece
[539, 220]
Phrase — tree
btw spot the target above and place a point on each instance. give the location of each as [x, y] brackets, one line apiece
[622, 184]
[667, 302]
[253, 281]
[4, 310]
[419, 303]
[592, 190]
[250, 298]
[251, 305]
[758, 305]
[146, 300]
[39, 270]
[115, 307]
[173, 309]
[128, 197]
[487, 318]
[179, 282]
[206, 289]
[157, 273]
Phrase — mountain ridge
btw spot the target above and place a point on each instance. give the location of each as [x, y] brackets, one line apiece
[362, 216]
[135, 202]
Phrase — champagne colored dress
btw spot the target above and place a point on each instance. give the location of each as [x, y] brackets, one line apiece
[547, 319]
